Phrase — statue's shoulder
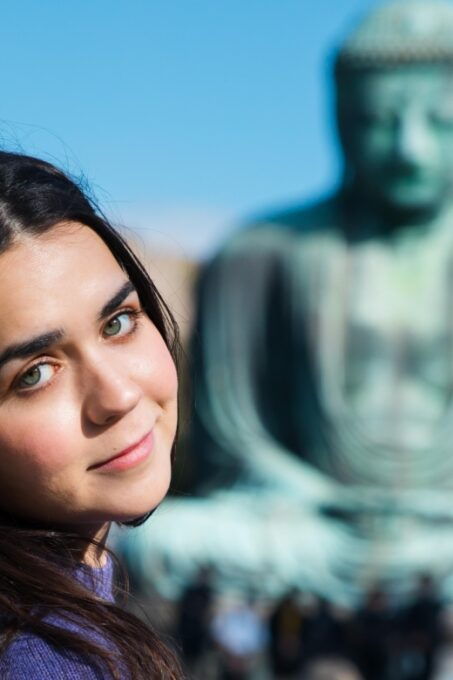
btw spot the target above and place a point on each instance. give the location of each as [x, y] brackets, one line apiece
[277, 229]
[307, 219]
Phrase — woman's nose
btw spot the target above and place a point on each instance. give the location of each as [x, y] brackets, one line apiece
[110, 394]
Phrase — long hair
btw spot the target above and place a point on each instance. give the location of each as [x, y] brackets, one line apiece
[36, 563]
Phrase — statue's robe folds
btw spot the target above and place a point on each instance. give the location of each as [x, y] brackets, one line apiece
[323, 451]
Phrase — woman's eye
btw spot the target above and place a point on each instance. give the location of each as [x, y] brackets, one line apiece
[37, 376]
[122, 324]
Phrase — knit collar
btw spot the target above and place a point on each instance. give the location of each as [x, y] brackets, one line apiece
[98, 579]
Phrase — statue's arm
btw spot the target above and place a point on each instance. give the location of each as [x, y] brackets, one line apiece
[233, 358]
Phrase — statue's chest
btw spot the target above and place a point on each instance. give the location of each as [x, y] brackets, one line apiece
[395, 293]
[380, 329]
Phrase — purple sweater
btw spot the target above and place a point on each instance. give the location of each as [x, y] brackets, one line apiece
[29, 657]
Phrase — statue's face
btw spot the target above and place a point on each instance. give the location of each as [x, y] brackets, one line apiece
[396, 128]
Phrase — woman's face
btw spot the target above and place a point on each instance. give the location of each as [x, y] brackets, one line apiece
[83, 376]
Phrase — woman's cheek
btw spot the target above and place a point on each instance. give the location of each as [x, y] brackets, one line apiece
[165, 378]
[155, 366]
[42, 443]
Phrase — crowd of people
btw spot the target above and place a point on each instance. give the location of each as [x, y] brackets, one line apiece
[303, 637]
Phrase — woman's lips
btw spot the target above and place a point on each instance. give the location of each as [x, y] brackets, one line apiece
[130, 457]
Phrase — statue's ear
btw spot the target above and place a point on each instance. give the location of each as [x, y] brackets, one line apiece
[341, 126]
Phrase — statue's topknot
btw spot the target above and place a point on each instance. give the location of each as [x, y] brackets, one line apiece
[398, 33]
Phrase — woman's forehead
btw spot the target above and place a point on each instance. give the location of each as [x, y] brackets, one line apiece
[44, 277]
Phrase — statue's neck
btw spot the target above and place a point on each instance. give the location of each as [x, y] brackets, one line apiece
[365, 219]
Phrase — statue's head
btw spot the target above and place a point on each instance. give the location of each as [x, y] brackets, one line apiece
[394, 80]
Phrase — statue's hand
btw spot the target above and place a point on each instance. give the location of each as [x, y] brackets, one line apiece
[279, 472]
[249, 538]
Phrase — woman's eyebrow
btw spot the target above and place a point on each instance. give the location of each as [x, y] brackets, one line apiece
[126, 289]
[22, 350]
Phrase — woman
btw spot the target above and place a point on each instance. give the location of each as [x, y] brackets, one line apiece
[88, 411]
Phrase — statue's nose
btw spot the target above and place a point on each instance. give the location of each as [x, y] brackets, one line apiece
[414, 144]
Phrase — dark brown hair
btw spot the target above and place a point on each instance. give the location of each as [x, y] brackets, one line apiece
[37, 563]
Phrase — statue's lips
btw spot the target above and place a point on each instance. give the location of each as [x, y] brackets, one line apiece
[410, 173]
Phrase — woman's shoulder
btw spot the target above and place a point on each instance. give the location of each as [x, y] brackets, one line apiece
[30, 656]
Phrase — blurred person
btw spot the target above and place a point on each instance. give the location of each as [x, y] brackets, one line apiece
[331, 668]
[331, 630]
[194, 611]
[239, 632]
[421, 629]
[289, 635]
[374, 624]
[443, 662]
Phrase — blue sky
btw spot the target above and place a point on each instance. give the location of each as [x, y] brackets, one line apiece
[185, 116]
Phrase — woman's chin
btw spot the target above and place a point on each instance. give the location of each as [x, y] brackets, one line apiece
[132, 517]
[136, 510]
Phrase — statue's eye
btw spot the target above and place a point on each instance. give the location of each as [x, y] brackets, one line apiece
[375, 118]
